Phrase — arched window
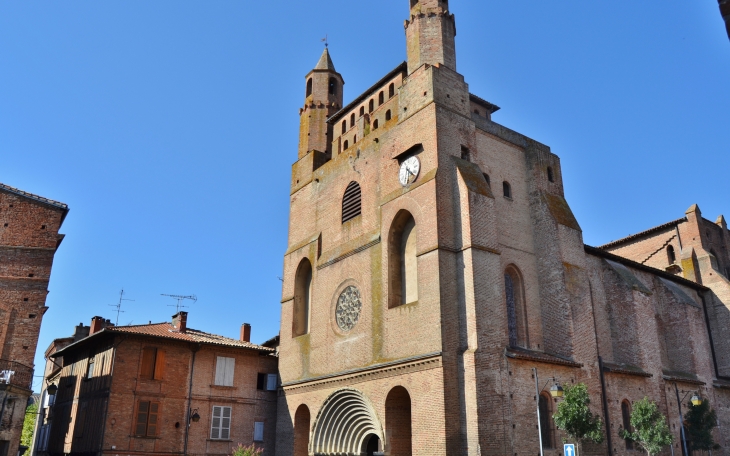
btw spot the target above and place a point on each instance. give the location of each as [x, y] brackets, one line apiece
[346, 145]
[381, 98]
[398, 422]
[333, 86]
[351, 202]
[626, 417]
[352, 120]
[671, 256]
[371, 106]
[546, 422]
[551, 177]
[309, 86]
[403, 263]
[302, 298]
[344, 127]
[391, 90]
[362, 111]
[507, 189]
[375, 124]
[515, 297]
[302, 419]
[388, 115]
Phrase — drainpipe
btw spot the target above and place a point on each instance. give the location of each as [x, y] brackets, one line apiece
[194, 349]
[606, 415]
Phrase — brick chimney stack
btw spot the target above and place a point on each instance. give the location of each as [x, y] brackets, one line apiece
[180, 321]
[97, 324]
[245, 332]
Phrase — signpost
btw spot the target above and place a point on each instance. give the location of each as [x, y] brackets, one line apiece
[569, 449]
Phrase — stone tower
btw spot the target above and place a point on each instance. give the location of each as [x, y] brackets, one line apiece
[430, 34]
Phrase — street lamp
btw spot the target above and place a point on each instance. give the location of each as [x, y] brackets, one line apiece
[556, 391]
[194, 416]
[696, 400]
[52, 389]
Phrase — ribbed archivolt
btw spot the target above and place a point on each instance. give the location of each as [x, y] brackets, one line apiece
[343, 424]
[351, 202]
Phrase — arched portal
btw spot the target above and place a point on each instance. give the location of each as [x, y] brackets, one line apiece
[346, 424]
[398, 422]
[371, 446]
[301, 431]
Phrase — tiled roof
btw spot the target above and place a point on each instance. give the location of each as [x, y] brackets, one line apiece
[40, 199]
[167, 331]
[656, 229]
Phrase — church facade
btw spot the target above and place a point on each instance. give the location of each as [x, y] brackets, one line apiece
[436, 283]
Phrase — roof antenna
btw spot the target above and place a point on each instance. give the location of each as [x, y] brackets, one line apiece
[180, 300]
[326, 41]
[118, 306]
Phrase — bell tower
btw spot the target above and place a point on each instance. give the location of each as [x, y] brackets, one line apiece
[324, 90]
[430, 34]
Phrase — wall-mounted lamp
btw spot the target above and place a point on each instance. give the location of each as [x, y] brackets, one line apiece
[194, 416]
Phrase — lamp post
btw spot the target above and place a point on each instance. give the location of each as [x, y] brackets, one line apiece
[556, 391]
[695, 400]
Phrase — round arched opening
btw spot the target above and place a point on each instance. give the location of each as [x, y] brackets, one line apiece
[371, 445]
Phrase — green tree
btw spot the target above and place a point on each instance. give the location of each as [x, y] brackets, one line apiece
[700, 420]
[575, 418]
[650, 430]
[26, 438]
[241, 450]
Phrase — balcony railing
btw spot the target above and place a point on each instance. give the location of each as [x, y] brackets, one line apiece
[14, 373]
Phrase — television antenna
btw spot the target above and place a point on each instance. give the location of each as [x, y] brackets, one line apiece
[180, 300]
[118, 306]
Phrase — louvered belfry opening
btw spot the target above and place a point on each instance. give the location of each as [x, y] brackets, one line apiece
[351, 202]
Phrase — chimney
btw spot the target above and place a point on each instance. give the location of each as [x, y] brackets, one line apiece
[81, 332]
[97, 324]
[180, 321]
[245, 332]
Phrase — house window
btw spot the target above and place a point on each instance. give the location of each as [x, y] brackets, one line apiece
[344, 127]
[391, 91]
[381, 98]
[351, 202]
[153, 364]
[362, 111]
[224, 368]
[258, 431]
[388, 115]
[90, 368]
[352, 120]
[346, 145]
[507, 189]
[220, 427]
[671, 255]
[375, 124]
[147, 419]
[626, 417]
[267, 382]
[371, 106]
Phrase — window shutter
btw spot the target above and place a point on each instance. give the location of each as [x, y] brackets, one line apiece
[148, 362]
[160, 365]
[258, 431]
[152, 419]
[224, 368]
[215, 428]
[351, 202]
[226, 423]
[261, 382]
[230, 369]
[141, 424]
[271, 382]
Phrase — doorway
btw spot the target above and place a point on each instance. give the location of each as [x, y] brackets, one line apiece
[372, 445]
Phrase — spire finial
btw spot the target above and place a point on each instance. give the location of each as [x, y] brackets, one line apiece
[326, 42]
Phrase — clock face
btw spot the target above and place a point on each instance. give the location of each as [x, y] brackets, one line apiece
[409, 171]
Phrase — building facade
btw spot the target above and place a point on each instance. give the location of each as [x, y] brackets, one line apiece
[29, 240]
[434, 269]
[162, 389]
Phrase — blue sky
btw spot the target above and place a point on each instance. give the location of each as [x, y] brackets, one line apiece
[170, 127]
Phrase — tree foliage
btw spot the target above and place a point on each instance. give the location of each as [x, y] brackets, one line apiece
[700, 420]
[251, 450]
[650, 430]
[575, 418]
[26, 438]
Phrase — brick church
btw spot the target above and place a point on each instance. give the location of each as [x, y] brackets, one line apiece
[436, 282]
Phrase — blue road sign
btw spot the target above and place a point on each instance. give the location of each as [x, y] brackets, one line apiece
[569, 449]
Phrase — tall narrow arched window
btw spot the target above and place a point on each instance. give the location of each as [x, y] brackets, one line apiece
[333, 86]
[402, 261]
[362, 111]
[391, 90]
[344, 127]
[346, 145]
[371, 105]
[626, 418]
[388, 115]
[515, 300]
[546, 422]
[302, 298]
[309, 86]
[671, 255]
[351, 202]
[507, 189]
[352, 120]
[551, 176]
[375, 124]
[381, 98]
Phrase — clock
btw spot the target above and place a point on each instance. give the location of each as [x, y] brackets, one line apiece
[409, 171]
